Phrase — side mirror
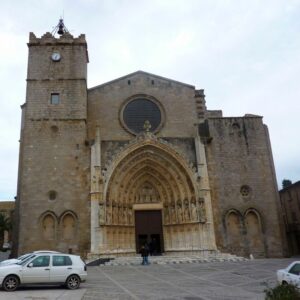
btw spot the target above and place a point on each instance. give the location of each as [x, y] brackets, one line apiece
[30, 265]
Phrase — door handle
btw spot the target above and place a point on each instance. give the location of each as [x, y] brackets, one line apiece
[47, 269]
[69, 268]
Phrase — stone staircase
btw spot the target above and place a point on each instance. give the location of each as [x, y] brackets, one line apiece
[173, 259]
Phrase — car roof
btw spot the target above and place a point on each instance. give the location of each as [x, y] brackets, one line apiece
[53, 253]
[45, 251]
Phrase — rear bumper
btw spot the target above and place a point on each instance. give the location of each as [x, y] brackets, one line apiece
[83, 277]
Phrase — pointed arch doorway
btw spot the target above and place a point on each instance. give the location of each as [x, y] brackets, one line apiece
[150, 193]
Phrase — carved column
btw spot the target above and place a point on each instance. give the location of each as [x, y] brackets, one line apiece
[96, 192]
[204, 191]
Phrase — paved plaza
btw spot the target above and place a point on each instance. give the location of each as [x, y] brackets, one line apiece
[196, 281]
[187, 281]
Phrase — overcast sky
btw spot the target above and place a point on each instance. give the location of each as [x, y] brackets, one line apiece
[245, 54]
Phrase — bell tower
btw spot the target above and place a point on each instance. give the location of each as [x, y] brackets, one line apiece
[54, 158]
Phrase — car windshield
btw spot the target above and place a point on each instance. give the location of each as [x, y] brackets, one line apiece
[24, 256]
[25, 260]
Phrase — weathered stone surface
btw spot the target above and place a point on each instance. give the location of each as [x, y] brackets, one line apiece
[83, 174]
[239, 156]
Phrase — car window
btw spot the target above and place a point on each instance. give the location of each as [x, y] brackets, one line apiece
[60, 260]
[41, 261]
[295, 269]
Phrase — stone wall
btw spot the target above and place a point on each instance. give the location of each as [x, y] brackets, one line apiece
[55, 180]
[244, 196]
[54, 169]
[290, 205]
[78, 159]
[177, 100]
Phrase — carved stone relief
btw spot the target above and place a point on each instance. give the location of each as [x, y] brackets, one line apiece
[101, 214]
[201, 210]
[166, 215]
[186, 211]
[179, 212]
[194, 214]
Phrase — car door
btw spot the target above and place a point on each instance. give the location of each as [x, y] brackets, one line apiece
[293, 274]
[61, 268]
[36, 270]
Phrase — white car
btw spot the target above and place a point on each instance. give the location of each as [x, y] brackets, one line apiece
[290, 275]
[23, 257]
[44, 268]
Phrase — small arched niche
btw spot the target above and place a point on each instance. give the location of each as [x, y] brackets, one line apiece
[233, 231]
[69, 226]
[254, 233]
[48, 225]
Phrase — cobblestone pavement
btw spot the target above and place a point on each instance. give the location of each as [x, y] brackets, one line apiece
[196, 281]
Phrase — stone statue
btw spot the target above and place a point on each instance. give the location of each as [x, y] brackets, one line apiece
[147, 126]
[186, 212]
[194, 213]
[101, 214]
[120, 214]
[201, 210]
[173, 214]
[129, 216]
[124, 215]
[166, 215]
[146, 194]
[179, 213]
[115, 214]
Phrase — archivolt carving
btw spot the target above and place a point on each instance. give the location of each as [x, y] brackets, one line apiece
[150, 159]
[151, 172]
[164, 187]
[147, 138]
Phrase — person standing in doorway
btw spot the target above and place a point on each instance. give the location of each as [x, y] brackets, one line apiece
[145, 254]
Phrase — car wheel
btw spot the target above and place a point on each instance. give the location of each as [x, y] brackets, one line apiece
[73, 282]
[10, 283]
[284, 283]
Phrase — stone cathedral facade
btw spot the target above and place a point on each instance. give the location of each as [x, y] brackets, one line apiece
[102, 170]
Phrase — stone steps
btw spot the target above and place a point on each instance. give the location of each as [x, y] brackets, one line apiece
[173, 259]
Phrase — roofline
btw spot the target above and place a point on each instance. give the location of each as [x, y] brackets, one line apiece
[141, 72]
[290, 186]
[239, 117]
[7, 201]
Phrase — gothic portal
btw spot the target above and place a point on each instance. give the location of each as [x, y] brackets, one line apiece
[147, 175]
[140, 158]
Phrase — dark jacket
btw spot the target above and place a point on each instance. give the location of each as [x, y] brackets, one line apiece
[144, 251]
